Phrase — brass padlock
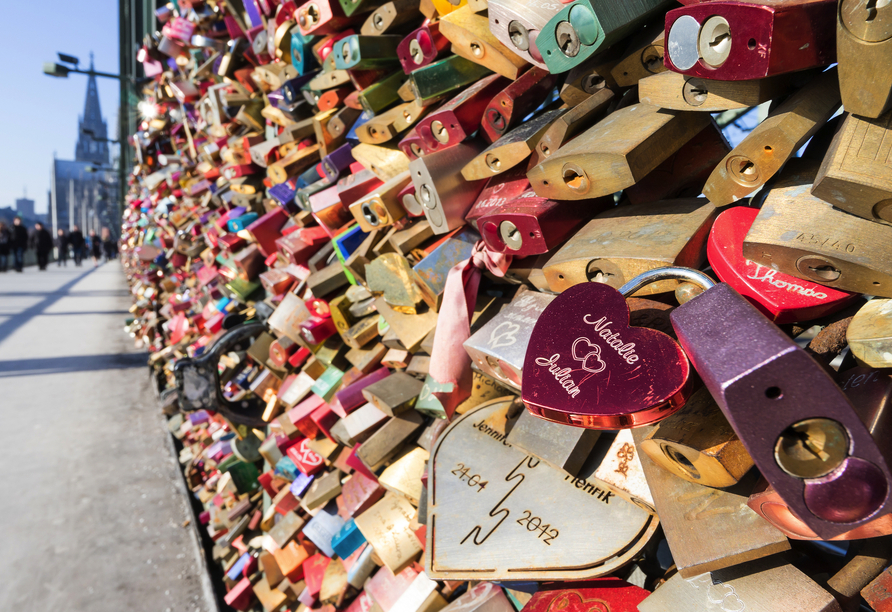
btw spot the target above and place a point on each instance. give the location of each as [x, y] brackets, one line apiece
[616, 153]
[863, 43]
[627, 240]
[856, 174]
[518, 25]
[735, 533]
[472, 39]
[643, 57]
[698, 444]
[765, 150]
[682, 92]
[443, 193]
[800, 235]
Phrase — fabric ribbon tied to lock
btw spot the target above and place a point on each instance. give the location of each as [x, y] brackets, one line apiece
[450, 365]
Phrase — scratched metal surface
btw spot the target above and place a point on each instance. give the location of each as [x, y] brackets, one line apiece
[528, 521]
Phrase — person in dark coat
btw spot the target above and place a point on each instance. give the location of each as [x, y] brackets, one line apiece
[76, 240]
[42, 242]
[5, 240]
[95, 248]
[19, 243]
[108, 244]
[62, 248]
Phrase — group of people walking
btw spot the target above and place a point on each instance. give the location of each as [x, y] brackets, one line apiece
[15, 240]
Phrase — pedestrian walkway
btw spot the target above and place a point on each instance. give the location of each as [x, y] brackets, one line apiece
[92, 507]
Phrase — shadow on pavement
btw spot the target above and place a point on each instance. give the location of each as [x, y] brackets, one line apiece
[17, 320]
[72, 363]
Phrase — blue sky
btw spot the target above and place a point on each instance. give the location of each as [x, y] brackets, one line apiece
[38, 113]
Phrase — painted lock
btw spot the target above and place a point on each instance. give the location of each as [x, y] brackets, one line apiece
[586, 366]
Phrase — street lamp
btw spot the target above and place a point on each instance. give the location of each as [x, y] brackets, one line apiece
[54, 69]
[94, 138]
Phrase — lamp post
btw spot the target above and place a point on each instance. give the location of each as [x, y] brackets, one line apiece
[71, 64]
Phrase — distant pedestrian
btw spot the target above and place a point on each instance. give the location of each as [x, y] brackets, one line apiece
[42, 243]
[19, 243]
[5, 240]
[108, 244]
[95, 248]
[62, 248]
[76, 240]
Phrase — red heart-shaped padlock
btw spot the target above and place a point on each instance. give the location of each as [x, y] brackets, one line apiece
[586, 366]
[782, 298]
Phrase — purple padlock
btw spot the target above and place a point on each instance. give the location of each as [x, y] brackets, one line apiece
[337, 161]
[797, 424]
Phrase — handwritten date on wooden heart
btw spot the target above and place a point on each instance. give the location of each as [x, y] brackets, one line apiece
[586, 366]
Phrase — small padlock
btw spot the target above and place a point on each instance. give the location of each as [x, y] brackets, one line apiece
[421, 47]
[638, 375]
[472, 39]
[509, 107]
[864, 41]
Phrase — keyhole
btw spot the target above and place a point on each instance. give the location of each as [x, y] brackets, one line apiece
[653, 63]
[826, 272]
[871, 10]
[717, 40]
[747, 169]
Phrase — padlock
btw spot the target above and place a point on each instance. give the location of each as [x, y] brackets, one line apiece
[383, 162]
[512, 149]
[432, 270]
[782, 298]
[780, 419]
[863, 42]
[472, 39]
[643, 57]
[322, 17]
[421, 47]
[731, 41]
[498, 191]
[620, 243]
[390, 123]
[366, 52]
[765, 149]
[498, 348]
[697, 444]
[583, 28]
[382, 94]
[530, 225]
[403, 476]
[681, 92]
[570, 124]
[460, 117]
[484, 492]
[431, 82]
[517, 26]
[389, 17]
[803, 236]
[856, 175]
[444, 195]
[770, 584]
[508, 108]
[687, 509]
[591, 76]
[596, 164]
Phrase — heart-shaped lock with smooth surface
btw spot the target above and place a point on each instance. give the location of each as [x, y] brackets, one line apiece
[782, 298]
[586, 366]
[496, 512]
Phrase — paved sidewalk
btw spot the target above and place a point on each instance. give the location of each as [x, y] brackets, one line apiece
[91, 503]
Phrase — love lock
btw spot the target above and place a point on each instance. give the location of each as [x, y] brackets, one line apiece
[198, 380]
[586, 366]
[496, 512]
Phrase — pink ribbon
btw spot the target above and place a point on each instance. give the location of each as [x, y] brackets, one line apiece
[450, 362]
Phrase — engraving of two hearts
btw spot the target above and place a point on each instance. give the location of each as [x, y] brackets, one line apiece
[610, 382]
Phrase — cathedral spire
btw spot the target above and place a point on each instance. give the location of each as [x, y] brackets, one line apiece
[92, 148]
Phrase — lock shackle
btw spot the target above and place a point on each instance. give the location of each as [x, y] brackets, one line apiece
[668, 273]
